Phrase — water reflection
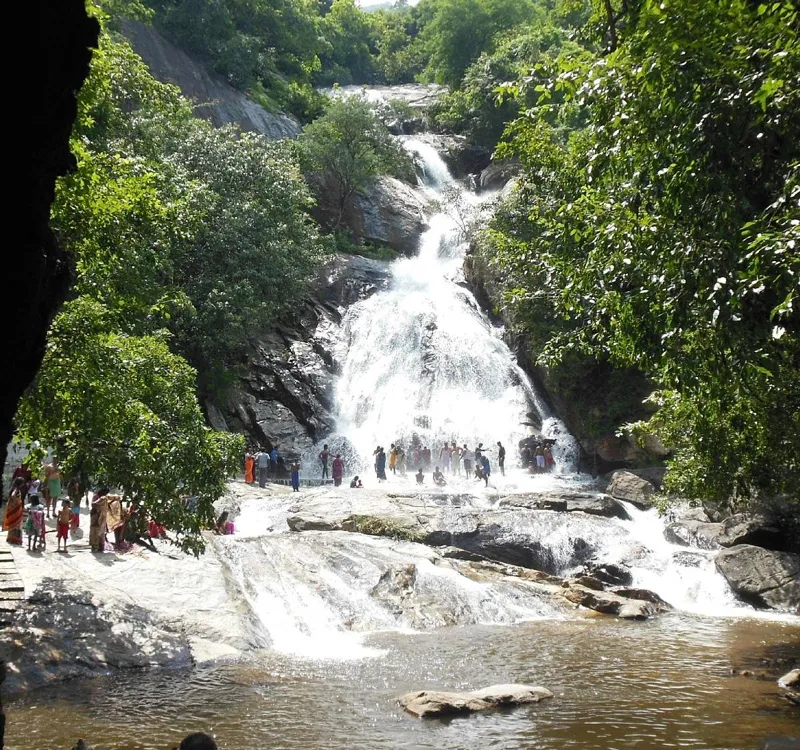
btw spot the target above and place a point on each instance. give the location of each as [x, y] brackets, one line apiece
[664, 683]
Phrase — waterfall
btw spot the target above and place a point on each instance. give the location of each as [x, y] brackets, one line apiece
[421, 362]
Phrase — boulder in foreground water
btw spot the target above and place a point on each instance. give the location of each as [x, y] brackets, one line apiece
[425, 703]
[762, 577]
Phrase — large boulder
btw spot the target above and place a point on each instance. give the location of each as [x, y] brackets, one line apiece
[539, 539]
[609, 603]
[744, 528]
[762, 577]
[427, 703]
[691, 533]
[388, 213]
[569, 502]
[215, 100]
[497, 175]
[625, 485]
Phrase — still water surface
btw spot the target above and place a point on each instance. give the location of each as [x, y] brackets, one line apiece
[664, 683]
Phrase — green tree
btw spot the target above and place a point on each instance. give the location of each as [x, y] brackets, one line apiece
[456, 32]
[665, 232]
[154, 216]
[348, 147]
[123, 410]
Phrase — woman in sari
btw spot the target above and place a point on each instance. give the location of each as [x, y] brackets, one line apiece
[249, 468]
[12, 521]
[97, 521]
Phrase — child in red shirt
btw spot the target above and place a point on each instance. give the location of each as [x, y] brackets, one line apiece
[64, 517]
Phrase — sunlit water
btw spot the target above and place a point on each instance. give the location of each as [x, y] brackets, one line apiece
[421, 363]
[664, 683]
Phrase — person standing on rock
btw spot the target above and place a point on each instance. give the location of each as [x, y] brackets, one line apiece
[295, 477]
[549, 461]
[52, 482]
[444, 458]
[273, 462]
[401, 460]
[12, 521]
[62, 525]
[486, 469]
[501, 458]
[393, 459]
[262, 463]
[337, 470]
[97, 521]
[324, 457]
[34, 526]
[455, 459]
[249, 468]
[380, 465]
[540, 459]
[466, 456]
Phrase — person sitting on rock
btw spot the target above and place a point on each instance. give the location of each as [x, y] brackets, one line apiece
[485, 468]
[438, 477]
[420, 476]
[355, 484]
[223, 525]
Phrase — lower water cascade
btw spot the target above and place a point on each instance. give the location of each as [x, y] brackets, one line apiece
[421, 362]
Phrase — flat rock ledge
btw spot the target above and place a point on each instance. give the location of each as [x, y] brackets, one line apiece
[432, 703]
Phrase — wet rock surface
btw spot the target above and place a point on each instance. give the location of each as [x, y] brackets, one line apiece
[389, 213]
[570, 502]
[431, 703]
[486, 540]
[690, 533]
[626, 485]
[286, 397]
[744, 528]
[532, 538]
[762, 577]
[62, 633]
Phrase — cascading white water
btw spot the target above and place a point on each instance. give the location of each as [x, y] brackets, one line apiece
[421, 361]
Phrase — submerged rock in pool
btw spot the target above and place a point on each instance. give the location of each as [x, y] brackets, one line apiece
[437, 703]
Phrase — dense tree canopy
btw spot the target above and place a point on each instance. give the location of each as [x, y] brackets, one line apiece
[187, 239]
[665, 233]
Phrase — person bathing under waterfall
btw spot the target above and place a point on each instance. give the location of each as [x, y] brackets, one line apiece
[438, 478]
[444, 457]
[393, 459]
[501, 458]
[337, 470]
[324, 456]
[295, 476]
[420, 476]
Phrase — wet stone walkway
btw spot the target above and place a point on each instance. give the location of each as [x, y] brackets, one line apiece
[12, 590]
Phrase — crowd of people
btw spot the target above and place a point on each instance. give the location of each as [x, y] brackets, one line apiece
[35, 497]
[450, 459]
[446, 460]
[536, 455]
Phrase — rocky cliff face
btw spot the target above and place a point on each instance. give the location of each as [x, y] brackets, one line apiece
[593, 398]
[286, 397]
[216, 100]
[57, 38]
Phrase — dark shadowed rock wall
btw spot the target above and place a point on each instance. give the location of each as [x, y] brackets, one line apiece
[56, 38]
[286, 395]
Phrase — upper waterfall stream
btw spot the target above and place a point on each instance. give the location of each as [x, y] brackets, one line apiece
[421, 361]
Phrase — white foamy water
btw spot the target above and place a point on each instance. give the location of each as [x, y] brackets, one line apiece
[421, 362]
